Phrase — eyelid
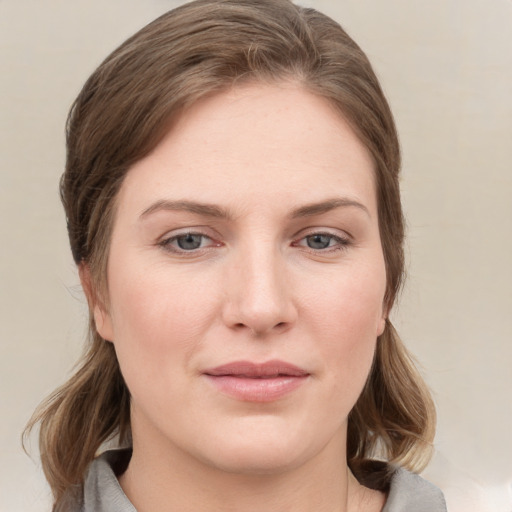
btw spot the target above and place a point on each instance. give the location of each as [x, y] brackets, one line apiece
[343, 238]
[165, 241]
[334, 232]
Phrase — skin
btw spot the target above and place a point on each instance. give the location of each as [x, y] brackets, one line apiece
[254, 289]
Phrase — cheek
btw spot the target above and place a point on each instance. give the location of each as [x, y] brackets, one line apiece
[346, 319]
[348, 303]
[158, 321]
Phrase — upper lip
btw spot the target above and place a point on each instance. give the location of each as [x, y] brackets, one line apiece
[248, 369]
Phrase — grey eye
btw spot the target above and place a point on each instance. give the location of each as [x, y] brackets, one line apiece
[189, 241]
[319, 241]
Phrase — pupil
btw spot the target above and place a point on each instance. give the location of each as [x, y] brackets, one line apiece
[189, 241]
[318, 241]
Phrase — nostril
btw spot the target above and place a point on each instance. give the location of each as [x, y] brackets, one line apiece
[242, 325]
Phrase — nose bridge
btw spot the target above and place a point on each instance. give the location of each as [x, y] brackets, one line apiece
[261, 300]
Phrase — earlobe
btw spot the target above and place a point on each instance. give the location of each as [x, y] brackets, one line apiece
[383, 320]
[103, 323]
[102, 319]
[381, 325]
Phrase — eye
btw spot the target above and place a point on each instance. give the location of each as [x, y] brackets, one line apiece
[319, 241]
[187, 242]
[323, 242]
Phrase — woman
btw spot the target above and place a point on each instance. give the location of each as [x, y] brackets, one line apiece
[231, 191]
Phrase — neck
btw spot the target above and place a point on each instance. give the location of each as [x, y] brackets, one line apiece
[177, 481]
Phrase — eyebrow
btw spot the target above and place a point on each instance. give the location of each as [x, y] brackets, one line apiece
[205, 209]
[312, 209]
[215, 211]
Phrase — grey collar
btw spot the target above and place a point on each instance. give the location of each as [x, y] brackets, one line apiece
[102, 493]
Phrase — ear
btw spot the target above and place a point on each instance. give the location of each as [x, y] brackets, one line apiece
[100, 313]
[382, 321]
[381, 325]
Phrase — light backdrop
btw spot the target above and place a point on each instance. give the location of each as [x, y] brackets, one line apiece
[446, 66]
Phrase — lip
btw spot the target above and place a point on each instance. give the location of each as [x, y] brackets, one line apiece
[256, 382]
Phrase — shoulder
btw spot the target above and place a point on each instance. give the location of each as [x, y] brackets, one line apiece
[405, 491]
[409, 491]
[102, 492]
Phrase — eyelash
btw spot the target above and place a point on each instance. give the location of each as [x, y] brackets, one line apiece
[166, 243]
[341, 243]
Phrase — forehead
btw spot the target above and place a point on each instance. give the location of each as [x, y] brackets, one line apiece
[262, 144]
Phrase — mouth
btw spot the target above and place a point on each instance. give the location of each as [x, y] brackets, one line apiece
[255, 382]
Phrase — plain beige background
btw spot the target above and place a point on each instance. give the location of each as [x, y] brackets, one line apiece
[446, 66]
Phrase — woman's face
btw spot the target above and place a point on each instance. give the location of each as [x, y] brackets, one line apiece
[246, 282]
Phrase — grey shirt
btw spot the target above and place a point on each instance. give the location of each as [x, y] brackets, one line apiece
[408, 492]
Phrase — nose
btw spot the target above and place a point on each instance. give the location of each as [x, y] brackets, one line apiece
[260, 297]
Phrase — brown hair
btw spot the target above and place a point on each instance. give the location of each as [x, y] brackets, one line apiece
[122, 113]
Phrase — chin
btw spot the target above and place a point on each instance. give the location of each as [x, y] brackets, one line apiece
[256, 460]
[260, 448]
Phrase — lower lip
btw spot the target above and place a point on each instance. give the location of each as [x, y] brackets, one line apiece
[256, 390]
